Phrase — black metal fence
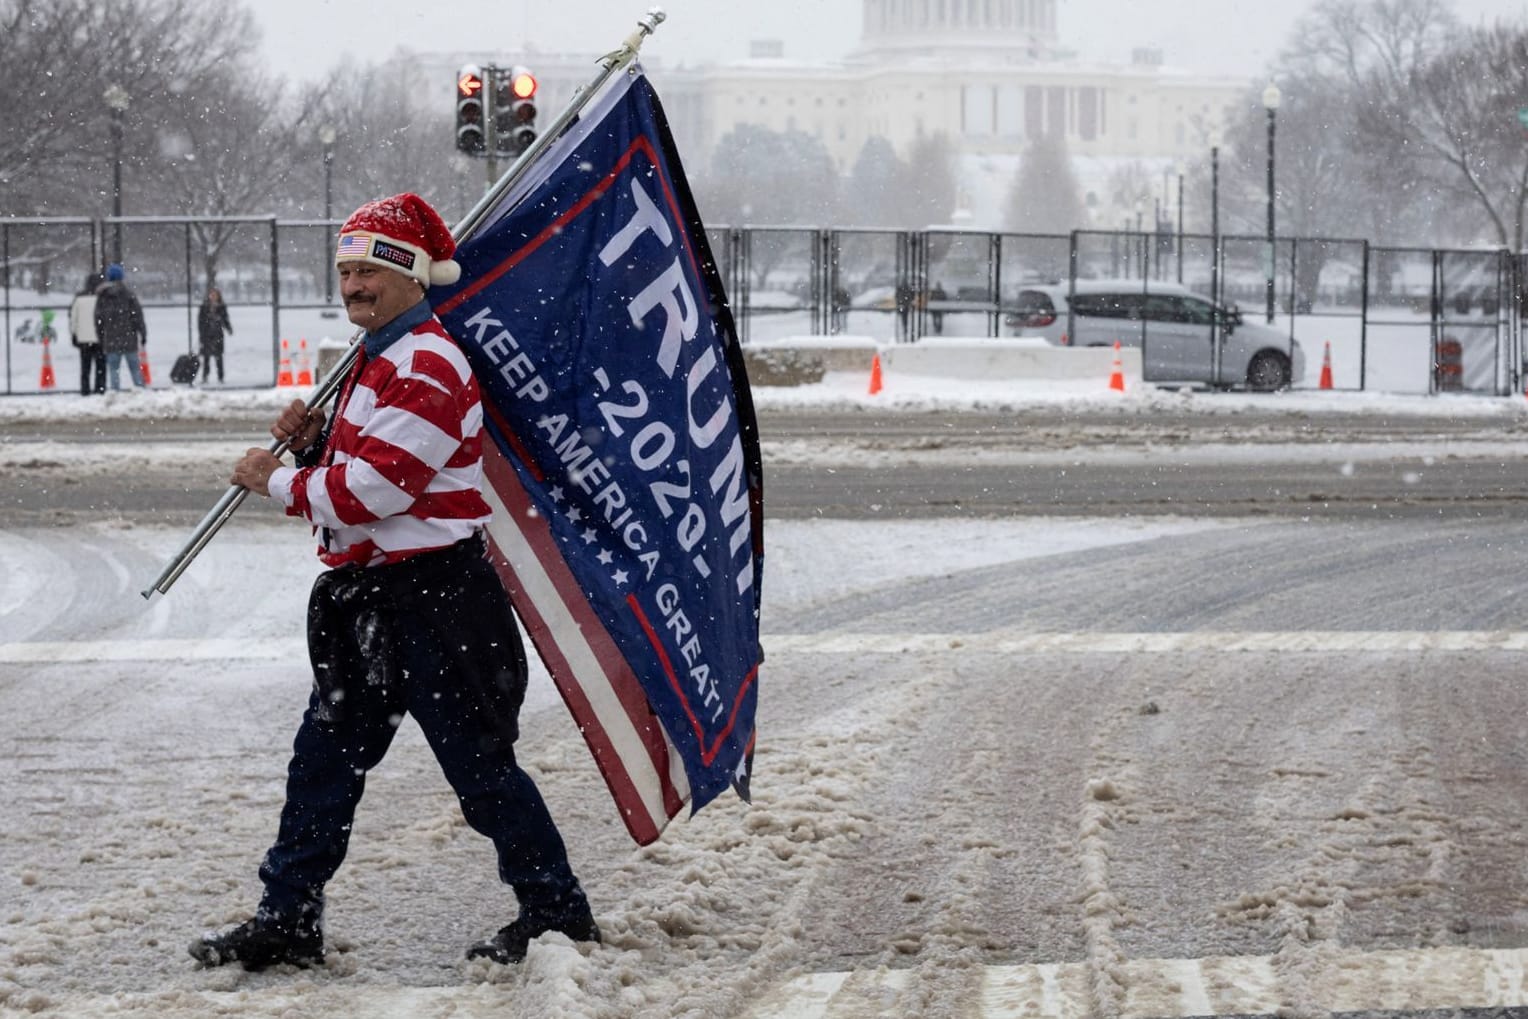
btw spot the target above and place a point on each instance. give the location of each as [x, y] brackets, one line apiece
[1365, 317]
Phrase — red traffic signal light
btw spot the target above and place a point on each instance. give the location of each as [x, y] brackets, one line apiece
[469, 110]
[514, 110]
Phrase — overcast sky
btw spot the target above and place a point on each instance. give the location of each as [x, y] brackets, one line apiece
[303, 38]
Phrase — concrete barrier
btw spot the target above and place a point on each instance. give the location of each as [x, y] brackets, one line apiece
[804, 361]
[979, 360]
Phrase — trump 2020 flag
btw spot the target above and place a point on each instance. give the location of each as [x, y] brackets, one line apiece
[624, 467]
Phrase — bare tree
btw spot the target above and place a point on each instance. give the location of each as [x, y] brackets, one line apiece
[1129, 187]
[225, 148]
[387, 140]
[1458, 114]
[57, 59]
[1353, 40]
[1337, 175]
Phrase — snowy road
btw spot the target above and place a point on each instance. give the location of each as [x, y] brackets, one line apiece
[850, 465]
[1008, 767]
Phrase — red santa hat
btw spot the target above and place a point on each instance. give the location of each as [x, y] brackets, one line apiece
[402, 233]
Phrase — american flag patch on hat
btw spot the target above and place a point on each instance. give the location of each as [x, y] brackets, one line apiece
[356, 245]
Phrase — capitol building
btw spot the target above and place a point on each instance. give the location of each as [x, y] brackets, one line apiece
[990, 75]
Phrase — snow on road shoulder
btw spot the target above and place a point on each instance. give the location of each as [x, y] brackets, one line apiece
[840, 391]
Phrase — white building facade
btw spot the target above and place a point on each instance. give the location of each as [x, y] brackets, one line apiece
[990, 75]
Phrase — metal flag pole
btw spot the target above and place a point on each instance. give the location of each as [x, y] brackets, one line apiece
[611, 64]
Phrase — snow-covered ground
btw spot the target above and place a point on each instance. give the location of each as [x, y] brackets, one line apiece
[1393, 355]
[845, 391]
[146, 742]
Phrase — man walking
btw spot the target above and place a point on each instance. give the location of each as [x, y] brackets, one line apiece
[411, 618]
[120, 327]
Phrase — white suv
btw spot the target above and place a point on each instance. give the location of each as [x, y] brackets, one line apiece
[1170, 323]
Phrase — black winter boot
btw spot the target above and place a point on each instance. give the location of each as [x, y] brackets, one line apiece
[511, 943]
[261, 941]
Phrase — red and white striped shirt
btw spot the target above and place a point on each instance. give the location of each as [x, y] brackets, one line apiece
[402, 471]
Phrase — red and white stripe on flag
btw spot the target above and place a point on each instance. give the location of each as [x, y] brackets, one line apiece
[643, 771]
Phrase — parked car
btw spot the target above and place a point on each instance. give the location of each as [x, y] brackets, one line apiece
[1170, 323]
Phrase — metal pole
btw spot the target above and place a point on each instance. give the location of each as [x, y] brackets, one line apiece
[1180, 226]
[1215, 322]
[491, 124]
[328, 215]
[190, 297]
[1271, 115]
[610, 64]
[116, 184]
[5, 281]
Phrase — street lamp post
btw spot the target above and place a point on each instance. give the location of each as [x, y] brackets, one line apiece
[1271, 104]
[1215, 323]
[326, 136]
[1179, 168]
[117, 100]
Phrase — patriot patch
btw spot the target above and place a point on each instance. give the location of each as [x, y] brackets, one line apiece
[353, 246]
[386, 252]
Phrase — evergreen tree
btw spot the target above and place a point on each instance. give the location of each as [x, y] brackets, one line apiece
[925, 195]
[872, 197]
[1043, 198]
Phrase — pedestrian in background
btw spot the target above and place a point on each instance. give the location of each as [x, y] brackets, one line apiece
[936, 299]
[411, 619]
[120, 326]
[82, 333]
[211, 326]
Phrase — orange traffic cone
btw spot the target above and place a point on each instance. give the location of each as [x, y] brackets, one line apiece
[48, 381]
[284, 376]
[1117, 377]
[1326, 367]
[304, 366]
[875, 374]
[143, 366]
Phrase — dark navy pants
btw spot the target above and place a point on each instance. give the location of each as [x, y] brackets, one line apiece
[331, 758]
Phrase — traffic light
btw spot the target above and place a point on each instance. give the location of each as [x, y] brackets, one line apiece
[515, 110]
[469, 110]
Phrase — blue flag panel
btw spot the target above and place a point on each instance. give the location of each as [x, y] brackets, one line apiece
[614, 391]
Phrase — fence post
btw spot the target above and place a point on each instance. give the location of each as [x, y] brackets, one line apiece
[275, 300]
[995, 283]
[191, 301]
[5, 281]
[1363, 324]
[744, 270]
